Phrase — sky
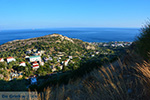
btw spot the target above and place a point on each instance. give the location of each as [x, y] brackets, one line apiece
[34, 14]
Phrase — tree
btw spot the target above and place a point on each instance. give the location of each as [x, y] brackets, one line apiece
[2, 65]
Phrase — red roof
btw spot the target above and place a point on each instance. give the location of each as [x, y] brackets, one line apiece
[22, 62]
[9, 57]
[35, 65]
[35, 62]
[1, 58]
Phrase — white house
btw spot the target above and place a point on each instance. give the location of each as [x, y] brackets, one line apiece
[35, 63]
[97, 52]
[35, 67]
[50, 58]
[59, 57]
[10, 59]
[34, 58]
[26, 57]
[70, 57]
[22, 64]
[92, 55]
[66, 62]
[1, 60]
[42, 63]
[61, 67]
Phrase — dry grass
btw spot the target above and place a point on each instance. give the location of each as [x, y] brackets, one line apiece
[121, 81]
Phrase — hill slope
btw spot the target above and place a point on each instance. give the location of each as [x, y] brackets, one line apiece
[51, 43]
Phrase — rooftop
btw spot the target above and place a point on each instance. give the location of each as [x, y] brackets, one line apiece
[9, 57]
[34, 56]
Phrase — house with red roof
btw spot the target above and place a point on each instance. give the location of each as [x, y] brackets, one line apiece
[22, 64]
[1, 60]
[66, 62]
[35, 63]
[10, 59]
[35, 67]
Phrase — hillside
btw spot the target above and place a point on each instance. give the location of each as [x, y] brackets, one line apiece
[52, 52]
[51, 43]
[127, 78]
[51, 60]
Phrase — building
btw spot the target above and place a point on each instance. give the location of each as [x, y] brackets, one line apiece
[53, 68]
[66, 62]
[28, 52]
[22, 64]
[35, 67]
[1, 60]
[42, 63]
[35, 63]
[34, 50]
[58, 60]
[61, 67]
[92, 55]
[70, 57]
[10, 59]
[34, 58]
[97, 52]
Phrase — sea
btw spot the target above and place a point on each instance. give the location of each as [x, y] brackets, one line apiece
[85, 34]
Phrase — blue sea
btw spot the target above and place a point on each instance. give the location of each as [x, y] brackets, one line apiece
[85, 34]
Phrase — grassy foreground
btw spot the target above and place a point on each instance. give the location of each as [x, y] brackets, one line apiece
[115, 82]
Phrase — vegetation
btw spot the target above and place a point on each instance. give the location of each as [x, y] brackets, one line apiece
[142, 42]
[125, 79]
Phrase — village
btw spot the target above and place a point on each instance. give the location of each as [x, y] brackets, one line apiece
[36, 59]
[113, 44]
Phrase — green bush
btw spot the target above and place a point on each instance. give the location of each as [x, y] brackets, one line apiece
[143, 42]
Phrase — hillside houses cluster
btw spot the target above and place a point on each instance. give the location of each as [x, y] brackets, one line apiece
[117, 44]
[34, 58]
[113, 44]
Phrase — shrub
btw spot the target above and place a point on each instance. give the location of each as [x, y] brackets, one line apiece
[143, 41]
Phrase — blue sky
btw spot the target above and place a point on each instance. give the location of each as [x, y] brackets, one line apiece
[28, 14]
